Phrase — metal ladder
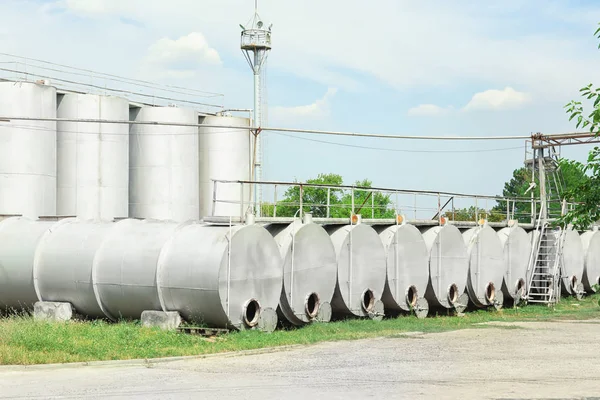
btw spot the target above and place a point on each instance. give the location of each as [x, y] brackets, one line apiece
[545, 265]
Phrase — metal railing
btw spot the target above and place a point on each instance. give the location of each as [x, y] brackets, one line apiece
[343, 201]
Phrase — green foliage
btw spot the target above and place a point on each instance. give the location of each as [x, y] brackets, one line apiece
[314, 200]
[472, 214]
[587, 194]
[572, 178]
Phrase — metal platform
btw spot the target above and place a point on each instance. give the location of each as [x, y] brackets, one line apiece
[346, 221]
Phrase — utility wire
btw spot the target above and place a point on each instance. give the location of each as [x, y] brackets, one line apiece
[398, 150]
[110, 75]
[268, 129]
[115, 90]
[220, 132]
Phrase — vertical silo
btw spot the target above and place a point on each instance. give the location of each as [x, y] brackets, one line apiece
[92, 158]
[225, 153]
[27, 150]
[163, 170]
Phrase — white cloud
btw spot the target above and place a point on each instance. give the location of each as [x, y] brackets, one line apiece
[187, 51]
[320, 109]
[508, 98]
[474, 47]
[428, 110]
[93, 7]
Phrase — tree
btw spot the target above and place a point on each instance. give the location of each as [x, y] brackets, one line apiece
[314, 200]
[586, 195]
[470, 214]
[571, 177]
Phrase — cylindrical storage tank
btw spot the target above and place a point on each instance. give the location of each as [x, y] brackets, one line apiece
[309, 271]
[124, 268]
[407, 261]
[63, 264]
[572, 262]
[19, 238]
[225, 154]
[27, 150]
[448, 266]
[219, 275]
[517, 251]
[163, 170]
[486, 266]
[360, 270]
[92, 158]
[591, 250]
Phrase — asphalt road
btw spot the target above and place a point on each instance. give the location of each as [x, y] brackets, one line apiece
[538, 360]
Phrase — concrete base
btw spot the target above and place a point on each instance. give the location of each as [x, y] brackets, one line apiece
[52, 311]
[159, 319]
[267, 321]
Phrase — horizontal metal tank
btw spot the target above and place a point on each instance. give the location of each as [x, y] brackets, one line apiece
[92, 158]
[361, 270]
[407, 261]
[225, 154]
[572, 263]
[220, 276]
[19, 238]
[448, 267]
[124, 268]
[163, 170]
[517, 251]
[64, 261]
[591, 250]
[27, 150]
[486, 266]
[309, 271]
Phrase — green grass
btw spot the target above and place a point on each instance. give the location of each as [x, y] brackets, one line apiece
[24, 341]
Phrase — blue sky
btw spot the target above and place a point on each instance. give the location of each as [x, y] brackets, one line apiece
[420, 68]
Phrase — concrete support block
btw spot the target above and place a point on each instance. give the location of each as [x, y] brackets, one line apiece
[52, 311]
[159, 319]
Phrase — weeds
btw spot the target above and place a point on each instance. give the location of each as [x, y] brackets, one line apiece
[25, 341]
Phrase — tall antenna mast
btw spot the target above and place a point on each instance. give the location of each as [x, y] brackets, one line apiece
[256, 44]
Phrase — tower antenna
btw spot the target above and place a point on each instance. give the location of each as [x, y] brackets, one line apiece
[256, 45]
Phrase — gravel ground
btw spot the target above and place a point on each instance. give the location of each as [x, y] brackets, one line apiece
[507, 361]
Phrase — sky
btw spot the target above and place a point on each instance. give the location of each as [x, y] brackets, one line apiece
[468, 68]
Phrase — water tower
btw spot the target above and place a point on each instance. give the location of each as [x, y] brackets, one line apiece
[256, 44]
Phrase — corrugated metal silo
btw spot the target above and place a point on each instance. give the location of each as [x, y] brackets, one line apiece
[163, 171]
[92, 158]
[27, 150]
[224, 154]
